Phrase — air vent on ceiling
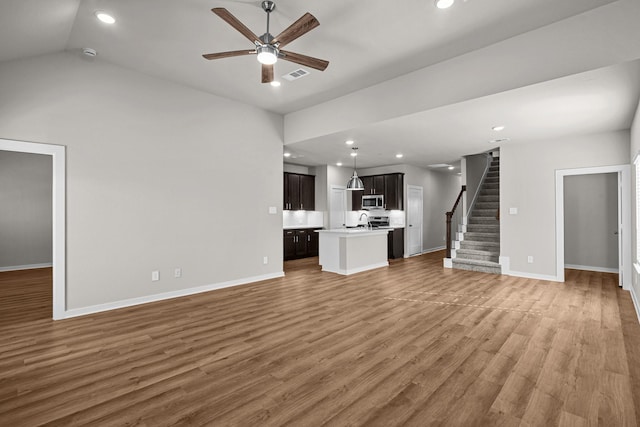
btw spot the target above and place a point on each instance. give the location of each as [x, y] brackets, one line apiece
[295, 74]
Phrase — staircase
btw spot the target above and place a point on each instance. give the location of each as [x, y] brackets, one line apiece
[479, 248]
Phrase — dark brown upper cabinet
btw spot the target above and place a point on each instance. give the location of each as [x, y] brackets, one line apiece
[299, 192]
[391, 186]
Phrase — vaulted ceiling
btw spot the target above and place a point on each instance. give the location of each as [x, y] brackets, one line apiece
[383, 55]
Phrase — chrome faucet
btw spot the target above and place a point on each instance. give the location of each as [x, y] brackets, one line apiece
[367, 216]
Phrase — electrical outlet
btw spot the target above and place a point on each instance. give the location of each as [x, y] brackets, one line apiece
[530, 259]
[273, 210]
[177, 273]
[155, 276]
[265, 260]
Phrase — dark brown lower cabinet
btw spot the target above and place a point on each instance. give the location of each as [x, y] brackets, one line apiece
[300, 243]
[395, 243]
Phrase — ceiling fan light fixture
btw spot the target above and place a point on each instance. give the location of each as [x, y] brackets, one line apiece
[444, 4]
[267, 54]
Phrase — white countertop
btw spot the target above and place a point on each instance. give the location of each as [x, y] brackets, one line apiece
[300, 227]
[355, 231]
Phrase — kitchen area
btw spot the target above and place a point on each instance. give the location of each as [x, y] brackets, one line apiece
[362, 231]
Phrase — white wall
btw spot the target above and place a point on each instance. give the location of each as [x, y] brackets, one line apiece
[25, 209]
[591, 221]
[159, 176]
[474, 167]
[634, 151]
[527, 182]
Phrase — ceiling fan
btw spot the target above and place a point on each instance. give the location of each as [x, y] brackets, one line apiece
[269, 48]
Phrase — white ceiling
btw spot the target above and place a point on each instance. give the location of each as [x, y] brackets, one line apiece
[366, 43]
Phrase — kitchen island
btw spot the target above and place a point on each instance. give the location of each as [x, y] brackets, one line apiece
[348, 251]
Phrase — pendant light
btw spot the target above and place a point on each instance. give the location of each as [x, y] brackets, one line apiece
[355, 183]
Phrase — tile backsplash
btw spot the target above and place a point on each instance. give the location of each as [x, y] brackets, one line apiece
[291, 219]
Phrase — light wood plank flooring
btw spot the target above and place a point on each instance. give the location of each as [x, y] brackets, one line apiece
[413, 344]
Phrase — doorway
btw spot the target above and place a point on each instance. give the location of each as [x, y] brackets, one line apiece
[622, 216]
[414, 219]
[58, 214]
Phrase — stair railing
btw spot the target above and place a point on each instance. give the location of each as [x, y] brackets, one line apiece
[450, 218]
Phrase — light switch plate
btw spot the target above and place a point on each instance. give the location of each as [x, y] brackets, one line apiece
[273, 210]
[513, 211]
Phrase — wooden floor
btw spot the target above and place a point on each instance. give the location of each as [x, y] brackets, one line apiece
[413, 344]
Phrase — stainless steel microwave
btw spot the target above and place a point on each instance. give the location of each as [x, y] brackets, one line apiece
[373, 202]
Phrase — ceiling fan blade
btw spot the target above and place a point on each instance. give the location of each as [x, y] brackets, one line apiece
[309, 61]
[235, 23]
[267, 73]
[302, 26]
[228, 54]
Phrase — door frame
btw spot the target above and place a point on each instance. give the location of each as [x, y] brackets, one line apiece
[407, 239]
[624, 218]
[58, 212]
[344, 191]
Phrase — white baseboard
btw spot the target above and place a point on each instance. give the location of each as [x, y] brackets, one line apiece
[25, 267]
[75, 312]
[430, 250]
[591, 268]
[636, 303]
[345, 272]
[531, 275]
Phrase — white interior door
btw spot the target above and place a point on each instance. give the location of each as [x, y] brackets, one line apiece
[414, 219]
[337, 207]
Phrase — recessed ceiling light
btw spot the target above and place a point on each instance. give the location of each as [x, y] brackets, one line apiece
[287, 154]
[354, 154]
[275, 83]
[498, 128]
[105, 17]
[399, 155]
[349, 142]
[451, 168]
[444, 4]
[338, 164]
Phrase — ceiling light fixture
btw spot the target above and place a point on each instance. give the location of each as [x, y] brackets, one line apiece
[451, 168]
[287, 154]
[267, 54]
[498, 128]
[339, 164]
[497, 141]
[355, 183]
[275, 83]
[444, 4]
[399, 156]
[105, 17]
[349, 142]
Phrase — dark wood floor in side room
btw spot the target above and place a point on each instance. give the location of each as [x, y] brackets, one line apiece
[412, 344]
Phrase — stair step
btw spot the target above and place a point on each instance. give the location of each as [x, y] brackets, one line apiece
[491, 186]
[486, 220]
[487, 205]
[494, 168]
[480, 246]
[491, 213]
[483, 228]
[474, 236]
[490, 192]
[477, 265]
[477, 255]
[495, 174]
[488, 198]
